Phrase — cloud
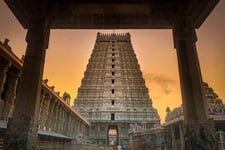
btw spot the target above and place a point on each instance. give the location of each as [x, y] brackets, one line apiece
[164, 82]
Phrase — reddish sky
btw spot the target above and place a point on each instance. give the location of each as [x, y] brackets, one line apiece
[69, 51]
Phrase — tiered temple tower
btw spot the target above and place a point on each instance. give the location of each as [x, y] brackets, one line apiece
[113, 95]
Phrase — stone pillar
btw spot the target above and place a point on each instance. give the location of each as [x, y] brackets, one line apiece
[181, 137]
[68, 123]
[41, 109]
[3, 69]
[173, 137]
[46, 111]
[62, 119]
[56, 116]
[198, 132]
[10, 94]
[57, 120]
[50, 119]
[4, 64]
[22, 127]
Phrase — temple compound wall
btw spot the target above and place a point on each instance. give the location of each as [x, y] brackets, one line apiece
[59, 124]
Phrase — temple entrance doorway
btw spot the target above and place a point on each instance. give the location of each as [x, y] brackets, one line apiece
[112, 135]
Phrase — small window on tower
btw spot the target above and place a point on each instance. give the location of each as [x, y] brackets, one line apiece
[113, 81]
[112, 102]
[113, 73]
[112, 116]
[113, 91]
[113, 54]
[113, 49]
[113, 41]
[113, 66]
[113, 60]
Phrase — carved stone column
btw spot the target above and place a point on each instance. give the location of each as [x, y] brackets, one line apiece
[41, 109]
[51, 114]
[4, 64]
[57, 124]
[10, 93]
[173, 137]
[60, 122]
[181, 136]
[68, 130]
[64, 121]
[22, 128]
[46, 110]
[198, 132]
[56, 115]
[61, 119]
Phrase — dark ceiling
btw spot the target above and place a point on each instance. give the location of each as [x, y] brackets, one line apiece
[110, 14]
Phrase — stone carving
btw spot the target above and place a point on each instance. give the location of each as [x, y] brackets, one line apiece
[16, 138]
[199, 137]
[10, 92]
[6, 43]
[176, 112]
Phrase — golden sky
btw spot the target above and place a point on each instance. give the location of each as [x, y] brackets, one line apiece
[69, 51]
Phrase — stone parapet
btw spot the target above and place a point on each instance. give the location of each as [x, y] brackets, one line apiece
[108, 37]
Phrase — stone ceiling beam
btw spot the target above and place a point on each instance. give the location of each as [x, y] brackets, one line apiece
[110, 14]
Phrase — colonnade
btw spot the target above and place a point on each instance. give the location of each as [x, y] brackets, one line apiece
[8, 95]
[9, 78]
[178, 140]
[55, 115]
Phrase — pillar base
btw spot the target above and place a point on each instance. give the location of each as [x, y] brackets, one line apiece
[199, 137]
[17, 137]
